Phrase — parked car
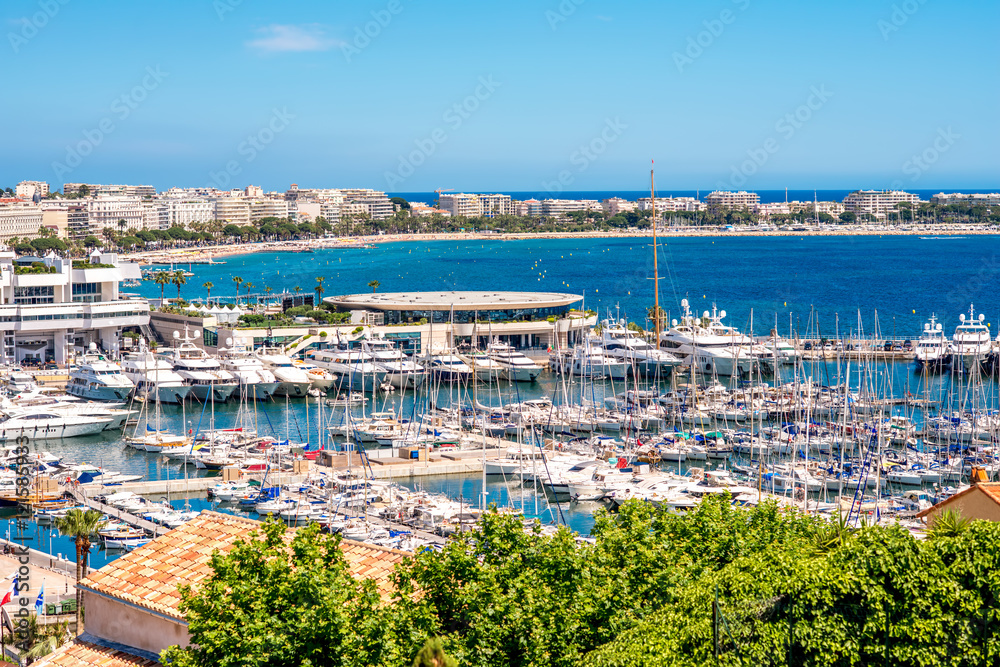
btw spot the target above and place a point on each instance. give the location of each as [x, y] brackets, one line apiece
[805, 346]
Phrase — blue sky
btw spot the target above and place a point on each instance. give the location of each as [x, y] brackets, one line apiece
[513, 95]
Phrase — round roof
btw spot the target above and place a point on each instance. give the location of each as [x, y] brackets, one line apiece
[449, 300]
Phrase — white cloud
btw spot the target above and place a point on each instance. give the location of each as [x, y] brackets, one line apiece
[283, 38]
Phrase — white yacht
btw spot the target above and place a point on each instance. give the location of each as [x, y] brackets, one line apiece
[449, 368]
[932, 351]
[632, 348]
[205, 375]
[516, 367]
[708, 346]
[400, 371]
[154, 378]
[292, 380]
[779, 352]
[97, 379]
[971, 341]
[356, 369]
[590, 361]
[255, 381]
[320, 378]
[42, 424]
[484, 369]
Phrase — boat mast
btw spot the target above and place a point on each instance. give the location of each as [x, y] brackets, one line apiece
[656, 275]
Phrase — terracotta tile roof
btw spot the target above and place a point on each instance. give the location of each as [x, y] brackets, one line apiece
[991, 489]
[83, 654]
[149, 575]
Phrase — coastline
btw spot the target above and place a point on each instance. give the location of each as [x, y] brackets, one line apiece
[204, 254]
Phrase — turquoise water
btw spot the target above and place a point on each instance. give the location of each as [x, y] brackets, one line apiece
[902, 279]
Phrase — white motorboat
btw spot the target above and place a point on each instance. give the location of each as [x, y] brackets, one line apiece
[255, 381]
[516, 461]
[971, 341]
[292, 380]
[154, 378]
[632, 348]
[204, 374]
[590, 361]
[449, 368]
[708, 346]
[484, 369]
[516, 367]
[43, 424]
[320, 378]
[400, 371]
[355, 369]
[95, 378]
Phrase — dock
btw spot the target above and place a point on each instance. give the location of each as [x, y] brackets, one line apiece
[153, 528]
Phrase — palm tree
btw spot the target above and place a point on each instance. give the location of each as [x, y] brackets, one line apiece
[319, 290]
[374, 284]
[162, 279]
[948, 523]
[238, 281]
[297, 289]
[208, 287]
[249, 287]
[178, 278]
[80, 525]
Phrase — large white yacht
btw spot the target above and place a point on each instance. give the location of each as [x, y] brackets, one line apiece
[205, 375]
[971, 341]
[356, 369]
[400, 371]
[97, 379]
[589, 360]
[708, 346]
[43, 424]
[292, 381]
[932, 351]
[255, 381]
[449, 368]
[516, 367]
[632, 348]
[154, 378]
[484, 369]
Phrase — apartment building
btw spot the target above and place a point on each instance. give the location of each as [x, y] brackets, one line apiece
[529, 208]
[268, 208]
[943, 199]
[727, 199]
[476, 205]
[232, 210]
[67, 218]
[19, 218]
[28, 189]
[616, 205]
[878, 202]
[559, 207]
[118, 213]
[671, 204]
[95, 190]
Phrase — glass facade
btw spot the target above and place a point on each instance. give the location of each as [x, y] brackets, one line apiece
[469, 316]
[34, 294]
[86, 292]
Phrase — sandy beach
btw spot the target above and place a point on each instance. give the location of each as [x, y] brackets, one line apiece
[208, 253]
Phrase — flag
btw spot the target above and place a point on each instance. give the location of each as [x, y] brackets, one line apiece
[40, 600]
[9, 595]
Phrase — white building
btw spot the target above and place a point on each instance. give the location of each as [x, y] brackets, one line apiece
[254, 192]
[268, 208]
[186, 211]
[558, 207]
[671, 204]
[727, 199]
[232, 211]
[52, 315]
[95, 190]
[774, 208]
[28, 189]
[476, 205]
[155, 215]
[118, 213]
[529, 208]
[616, 205]
[992, 199]
[878, 202]
[21, 219]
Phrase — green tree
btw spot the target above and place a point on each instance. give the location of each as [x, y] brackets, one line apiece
[433, 655]
[162, 278]
[319, 289]
[374, 284]
[80, 525]
[178, 278]
[208, 289]
[238, 281]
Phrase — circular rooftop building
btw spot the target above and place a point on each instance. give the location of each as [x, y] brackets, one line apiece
[459, 307]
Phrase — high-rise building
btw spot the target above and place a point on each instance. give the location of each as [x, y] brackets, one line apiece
[992, 199]
[232, 211]
[68, 218]
[475, 205]
[878, 202]
[727, 199]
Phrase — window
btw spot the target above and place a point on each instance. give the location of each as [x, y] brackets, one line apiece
[34, 294]
[86, 292]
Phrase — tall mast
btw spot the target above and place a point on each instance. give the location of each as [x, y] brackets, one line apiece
[656, 275]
